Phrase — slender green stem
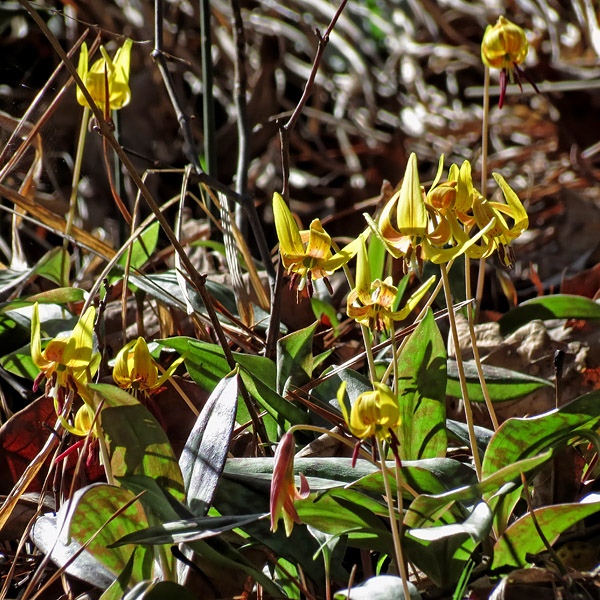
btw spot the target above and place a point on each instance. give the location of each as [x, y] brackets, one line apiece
[75, 181]
[369, 350]
[393, 521]
[484, 170]
[476, 356]
[461, 372]
[420, 316]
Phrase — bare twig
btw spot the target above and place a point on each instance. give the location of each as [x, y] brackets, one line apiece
[190, 147]
[284, 137]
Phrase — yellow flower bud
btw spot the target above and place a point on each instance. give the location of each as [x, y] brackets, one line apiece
[106, 74]
[373, 413]
[504, 45]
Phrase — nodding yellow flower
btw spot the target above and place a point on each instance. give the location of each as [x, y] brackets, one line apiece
[417, 227]
[106, 75]
[373, 413]
[370, 302]
[66, 362]
[504, 46]
[135, 369]
[283, 486]
[499, 235]
[307, 254]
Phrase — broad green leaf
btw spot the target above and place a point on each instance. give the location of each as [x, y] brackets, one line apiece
[295, 358]
[422, 393]
[156, 502]
[51, 536]
[55, 296]
[522, 537]
[206, 448]
[426, 508]
[520, 438]
[426, 476]
[142, 248]
[137, 443]
[381, 587]
[558, 306]
[376, 254]
[55, 266]
[188, 530]
[93, 509]
[503, 384]
[206, 365]
[221, 555]
[336, 515]
[442, 552]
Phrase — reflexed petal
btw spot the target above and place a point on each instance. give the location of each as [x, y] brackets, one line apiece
[346, 254]
[82, 71]
[413, 300]
[36, 341]
[319, 242]
[518, 212]
[78, 353]
[287, 229]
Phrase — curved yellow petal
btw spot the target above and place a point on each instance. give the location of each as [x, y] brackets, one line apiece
[36, 340]
[82, 71]
[287, 229]
[319, 241]
[412, 301]
[78, 353]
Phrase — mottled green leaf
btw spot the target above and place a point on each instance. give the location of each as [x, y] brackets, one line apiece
[558, 306]
[522, 537]
[502, 384]
[422, 393]
[137, 443]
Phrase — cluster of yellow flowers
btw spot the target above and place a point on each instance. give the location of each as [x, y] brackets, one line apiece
[451, 219]
[69, 363]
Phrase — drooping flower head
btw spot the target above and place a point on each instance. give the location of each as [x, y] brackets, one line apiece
[106, 77]
[371, 302]
[283, 486]
[418, 227]
[67, 362]
[307, 254]
[136, 370]
[373, 413]
[504, 46]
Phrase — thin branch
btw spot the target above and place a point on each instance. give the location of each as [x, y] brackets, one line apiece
[190, 147]
[284, 137]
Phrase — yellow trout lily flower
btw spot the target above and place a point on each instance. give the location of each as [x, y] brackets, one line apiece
[373, 413]
[106, 75]
[371, 302]
[505, 47]
[283, 486]
[416, 230]
[499, 235]
[135, 369]
[307, 254]
[66, 362]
